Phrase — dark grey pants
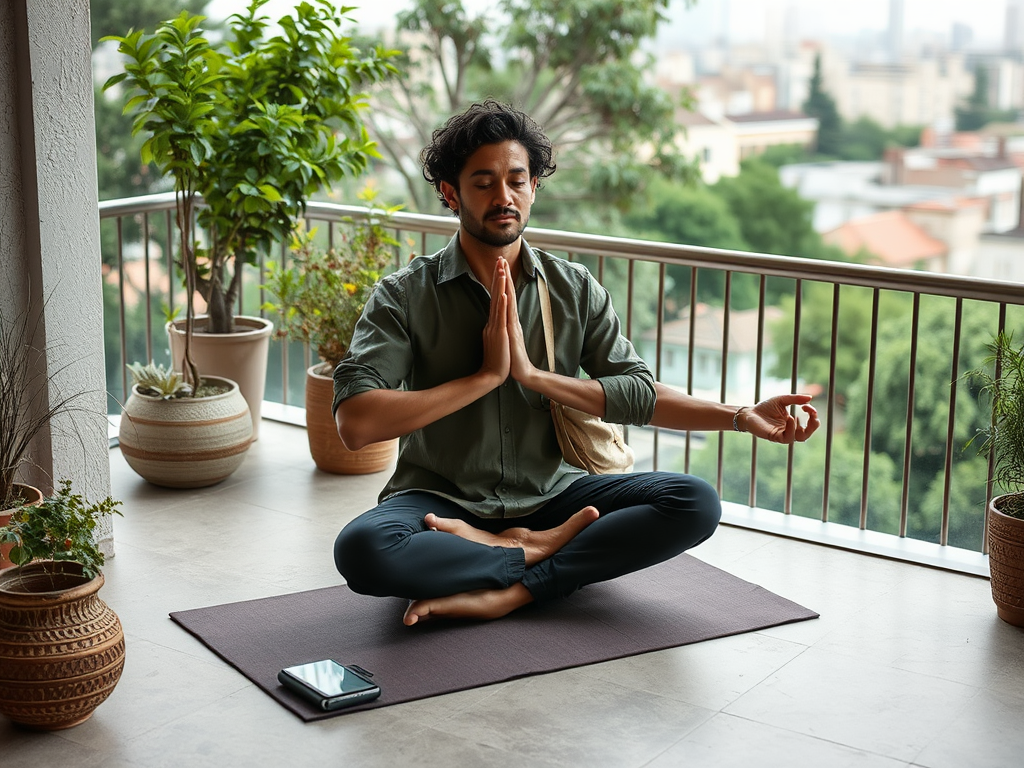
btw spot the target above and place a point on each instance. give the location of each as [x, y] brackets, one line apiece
[646, 518]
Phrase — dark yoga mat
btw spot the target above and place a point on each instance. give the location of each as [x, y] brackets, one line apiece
[675, 603]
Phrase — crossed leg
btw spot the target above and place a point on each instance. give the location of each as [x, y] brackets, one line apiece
[495, 603]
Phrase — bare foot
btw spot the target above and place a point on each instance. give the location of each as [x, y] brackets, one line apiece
[478, 604]
[537, 545]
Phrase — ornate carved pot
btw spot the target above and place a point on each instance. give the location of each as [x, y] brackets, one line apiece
[61, 646]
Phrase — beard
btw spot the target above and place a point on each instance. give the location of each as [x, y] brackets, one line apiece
[497, 236]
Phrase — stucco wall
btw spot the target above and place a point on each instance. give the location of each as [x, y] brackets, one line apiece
[49, 225]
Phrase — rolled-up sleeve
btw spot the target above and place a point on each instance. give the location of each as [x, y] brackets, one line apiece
[380, 355]
[610, 358]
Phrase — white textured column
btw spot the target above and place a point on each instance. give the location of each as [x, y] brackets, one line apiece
[49, 228]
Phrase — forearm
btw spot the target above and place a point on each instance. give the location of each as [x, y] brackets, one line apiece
[383, 414]
[581, 394]
[676, 410]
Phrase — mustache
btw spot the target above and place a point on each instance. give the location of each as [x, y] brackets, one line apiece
[504, 212]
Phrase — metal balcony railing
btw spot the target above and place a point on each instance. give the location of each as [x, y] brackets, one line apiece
[885, 350]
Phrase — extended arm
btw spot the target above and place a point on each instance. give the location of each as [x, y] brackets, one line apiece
[770, 419]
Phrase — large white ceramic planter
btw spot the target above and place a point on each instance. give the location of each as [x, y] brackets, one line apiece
[186, 442]
[240, 356]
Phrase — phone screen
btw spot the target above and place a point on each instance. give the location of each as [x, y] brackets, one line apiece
[330, 678]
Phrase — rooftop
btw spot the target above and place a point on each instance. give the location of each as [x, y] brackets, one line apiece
[906, 666]
[890, 235]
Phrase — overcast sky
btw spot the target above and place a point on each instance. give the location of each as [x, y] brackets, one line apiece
[747, 19]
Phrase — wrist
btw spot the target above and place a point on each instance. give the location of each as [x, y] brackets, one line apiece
[527, 376]
[739, 419]
[488, 379]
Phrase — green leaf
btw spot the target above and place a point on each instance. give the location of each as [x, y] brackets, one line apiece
[270, 193]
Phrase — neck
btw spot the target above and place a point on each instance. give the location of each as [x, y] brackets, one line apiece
[483, 257]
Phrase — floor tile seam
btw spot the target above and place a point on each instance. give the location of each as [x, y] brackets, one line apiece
[66, 735]
[712, 714]
[803, 649]
[864, 657]
[280, 511]
[815, 737]
[209, 658]
[765, 633]
[532, 758]
[933, 675]
[940, 732]
[891, 667]
[139, 737]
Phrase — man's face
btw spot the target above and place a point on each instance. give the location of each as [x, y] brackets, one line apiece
[495, 193]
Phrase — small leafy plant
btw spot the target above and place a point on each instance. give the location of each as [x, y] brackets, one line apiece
[156, 381]
[1004, 438]
[321, 294]
[61, 528]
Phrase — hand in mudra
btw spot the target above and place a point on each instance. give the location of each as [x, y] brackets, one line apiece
[771, 420]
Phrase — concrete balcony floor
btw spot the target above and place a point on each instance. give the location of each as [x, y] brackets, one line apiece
[906, 666]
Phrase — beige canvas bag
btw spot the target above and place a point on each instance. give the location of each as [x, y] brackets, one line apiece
[587, 441]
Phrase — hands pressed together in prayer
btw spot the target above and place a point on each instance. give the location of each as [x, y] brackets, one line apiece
[504, 348]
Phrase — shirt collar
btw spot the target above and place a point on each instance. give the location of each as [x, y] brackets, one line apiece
[453, 261]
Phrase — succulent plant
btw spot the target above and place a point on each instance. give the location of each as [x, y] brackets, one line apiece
[156, 381]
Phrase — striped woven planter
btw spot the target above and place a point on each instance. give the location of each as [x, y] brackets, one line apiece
[186, 442]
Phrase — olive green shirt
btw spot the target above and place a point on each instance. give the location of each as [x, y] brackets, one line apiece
[498, 456]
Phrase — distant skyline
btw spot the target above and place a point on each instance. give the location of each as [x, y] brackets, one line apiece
[746, 20]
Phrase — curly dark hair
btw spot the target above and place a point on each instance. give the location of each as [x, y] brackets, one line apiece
[489, 122]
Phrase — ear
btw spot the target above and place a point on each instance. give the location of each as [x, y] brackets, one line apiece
[533, 189]
[451, 196]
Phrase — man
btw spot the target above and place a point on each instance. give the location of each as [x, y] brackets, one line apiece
[481, 516]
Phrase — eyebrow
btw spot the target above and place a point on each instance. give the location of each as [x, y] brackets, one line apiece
[489, 172]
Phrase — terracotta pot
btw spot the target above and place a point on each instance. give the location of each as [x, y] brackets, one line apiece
[239, 356]
[1006, 562]
[329, 453]
[33, 498]
[190, 442]
[61, 647]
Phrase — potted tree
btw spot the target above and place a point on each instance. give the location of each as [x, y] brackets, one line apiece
[61, 646]
[252, 128]
[1004, 445]
[318, 298]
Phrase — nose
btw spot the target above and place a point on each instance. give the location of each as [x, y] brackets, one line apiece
[502, 195]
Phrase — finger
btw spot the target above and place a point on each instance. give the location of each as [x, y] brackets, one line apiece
[804, 431]
[812, 422]
[792, 399]
[510, 292]
[497, 292]
[790, 432]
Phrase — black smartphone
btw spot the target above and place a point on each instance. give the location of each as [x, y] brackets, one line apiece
[330, 685]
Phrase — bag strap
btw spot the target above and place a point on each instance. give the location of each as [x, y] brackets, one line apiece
[545, 319]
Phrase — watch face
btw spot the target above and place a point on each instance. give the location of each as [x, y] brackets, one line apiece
[330, 678]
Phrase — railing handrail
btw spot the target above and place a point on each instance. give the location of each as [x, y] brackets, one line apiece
[800, 271]
[793, 267]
